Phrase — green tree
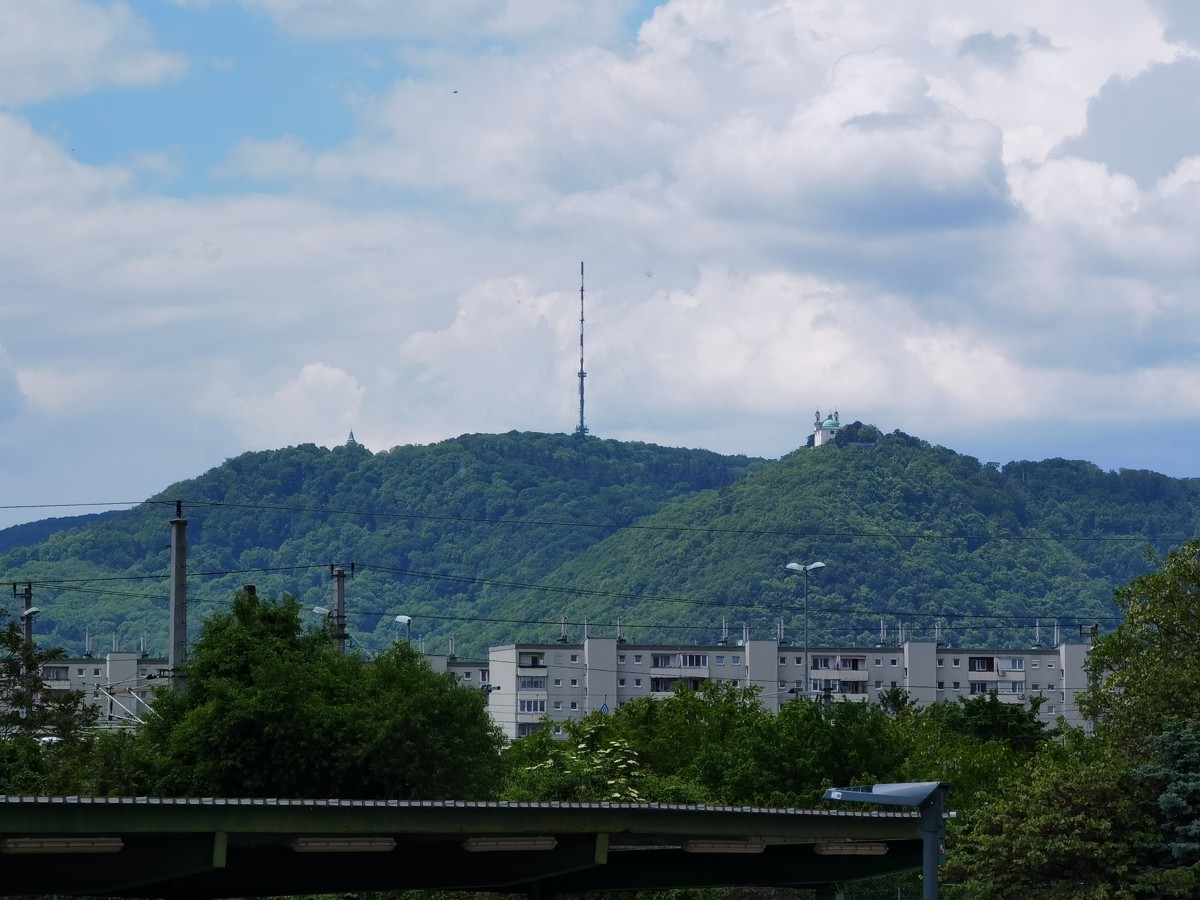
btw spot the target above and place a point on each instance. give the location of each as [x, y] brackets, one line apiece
[268, 710]
[1069, 823]
[1147, 672]
[27, 706]
[587, 765]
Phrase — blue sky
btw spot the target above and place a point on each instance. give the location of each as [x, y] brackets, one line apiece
[233, 225]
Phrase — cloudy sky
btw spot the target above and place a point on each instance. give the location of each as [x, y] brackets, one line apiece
[231, 225]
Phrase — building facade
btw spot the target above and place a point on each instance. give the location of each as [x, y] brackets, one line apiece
[117, 686]
[529, 682]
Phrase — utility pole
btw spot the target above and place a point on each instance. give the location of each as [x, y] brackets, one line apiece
[177, 655]
[339, 607]
[28, 611]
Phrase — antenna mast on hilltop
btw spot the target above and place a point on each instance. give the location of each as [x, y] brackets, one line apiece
[581, 430]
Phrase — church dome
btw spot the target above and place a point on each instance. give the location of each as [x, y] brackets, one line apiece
[830, 423]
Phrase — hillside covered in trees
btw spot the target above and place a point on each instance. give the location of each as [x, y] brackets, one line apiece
[492, 539]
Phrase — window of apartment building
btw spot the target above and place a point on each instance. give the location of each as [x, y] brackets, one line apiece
[637, 682]
[485, 675]
[954, 662]
[1034, 664]
[531, 682]
[941, 662]
[558, 658]
[1050, 685]
[894, 662]
[530, 660]
[56, 673]
[531, 706]
[558, 682]
[466, 675]
[662, 660]
[878, 684]
[574, 682]
[620, 682]
[941, 685]
[558, 704]
[525, 729]
[80, 671]
[782, 684]
[95, 671]
[1049, 664]
[822, 662]
[1035, 686]
[557, 730]
[894, 684]
[978, 687]
[734, 682]
[574, 657]
[1011, 665]
[720, 660]
[621, 659]
[735, 661]
[799, 660]
[637, 659]
[879, 660]
[783, 660]
[694, 660]
[1010, 687]
[574, 704]
[1051, 709]
[981, 664]
[957, 686]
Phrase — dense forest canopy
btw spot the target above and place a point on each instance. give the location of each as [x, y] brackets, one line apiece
[488, 539]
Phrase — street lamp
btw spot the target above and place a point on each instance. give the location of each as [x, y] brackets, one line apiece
[406, 621]
[806, 568]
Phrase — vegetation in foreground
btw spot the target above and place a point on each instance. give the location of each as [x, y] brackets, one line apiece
[1041, 812]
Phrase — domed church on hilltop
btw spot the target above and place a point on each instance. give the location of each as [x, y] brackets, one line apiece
[825, 431]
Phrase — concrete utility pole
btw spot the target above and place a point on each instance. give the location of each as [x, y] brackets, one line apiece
[177, 655]
[339, 609]
[28, 611]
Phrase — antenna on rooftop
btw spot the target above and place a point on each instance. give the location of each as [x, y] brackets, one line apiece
[581, 429]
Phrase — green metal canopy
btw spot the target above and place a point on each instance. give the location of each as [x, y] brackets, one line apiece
[214, 847]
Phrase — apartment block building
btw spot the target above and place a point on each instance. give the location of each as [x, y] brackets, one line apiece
[118, 685]
[528, 682]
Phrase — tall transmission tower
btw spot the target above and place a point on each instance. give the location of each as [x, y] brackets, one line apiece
[581, 430]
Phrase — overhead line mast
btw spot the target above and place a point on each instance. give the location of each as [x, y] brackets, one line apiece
[581, 430]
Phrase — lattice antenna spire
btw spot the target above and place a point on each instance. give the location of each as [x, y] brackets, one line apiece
[581, 429]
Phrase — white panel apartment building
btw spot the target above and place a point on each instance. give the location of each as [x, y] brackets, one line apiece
[528, 682]
[119, 686]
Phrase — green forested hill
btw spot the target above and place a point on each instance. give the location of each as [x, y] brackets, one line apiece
[496, 538]
[909, 533]
[429, 529]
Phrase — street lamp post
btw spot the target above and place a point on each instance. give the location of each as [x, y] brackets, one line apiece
[806, 568]
[406, 621]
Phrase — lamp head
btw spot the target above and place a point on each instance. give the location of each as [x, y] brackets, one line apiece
[404, 620]
[29, 613]
[320, 610]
